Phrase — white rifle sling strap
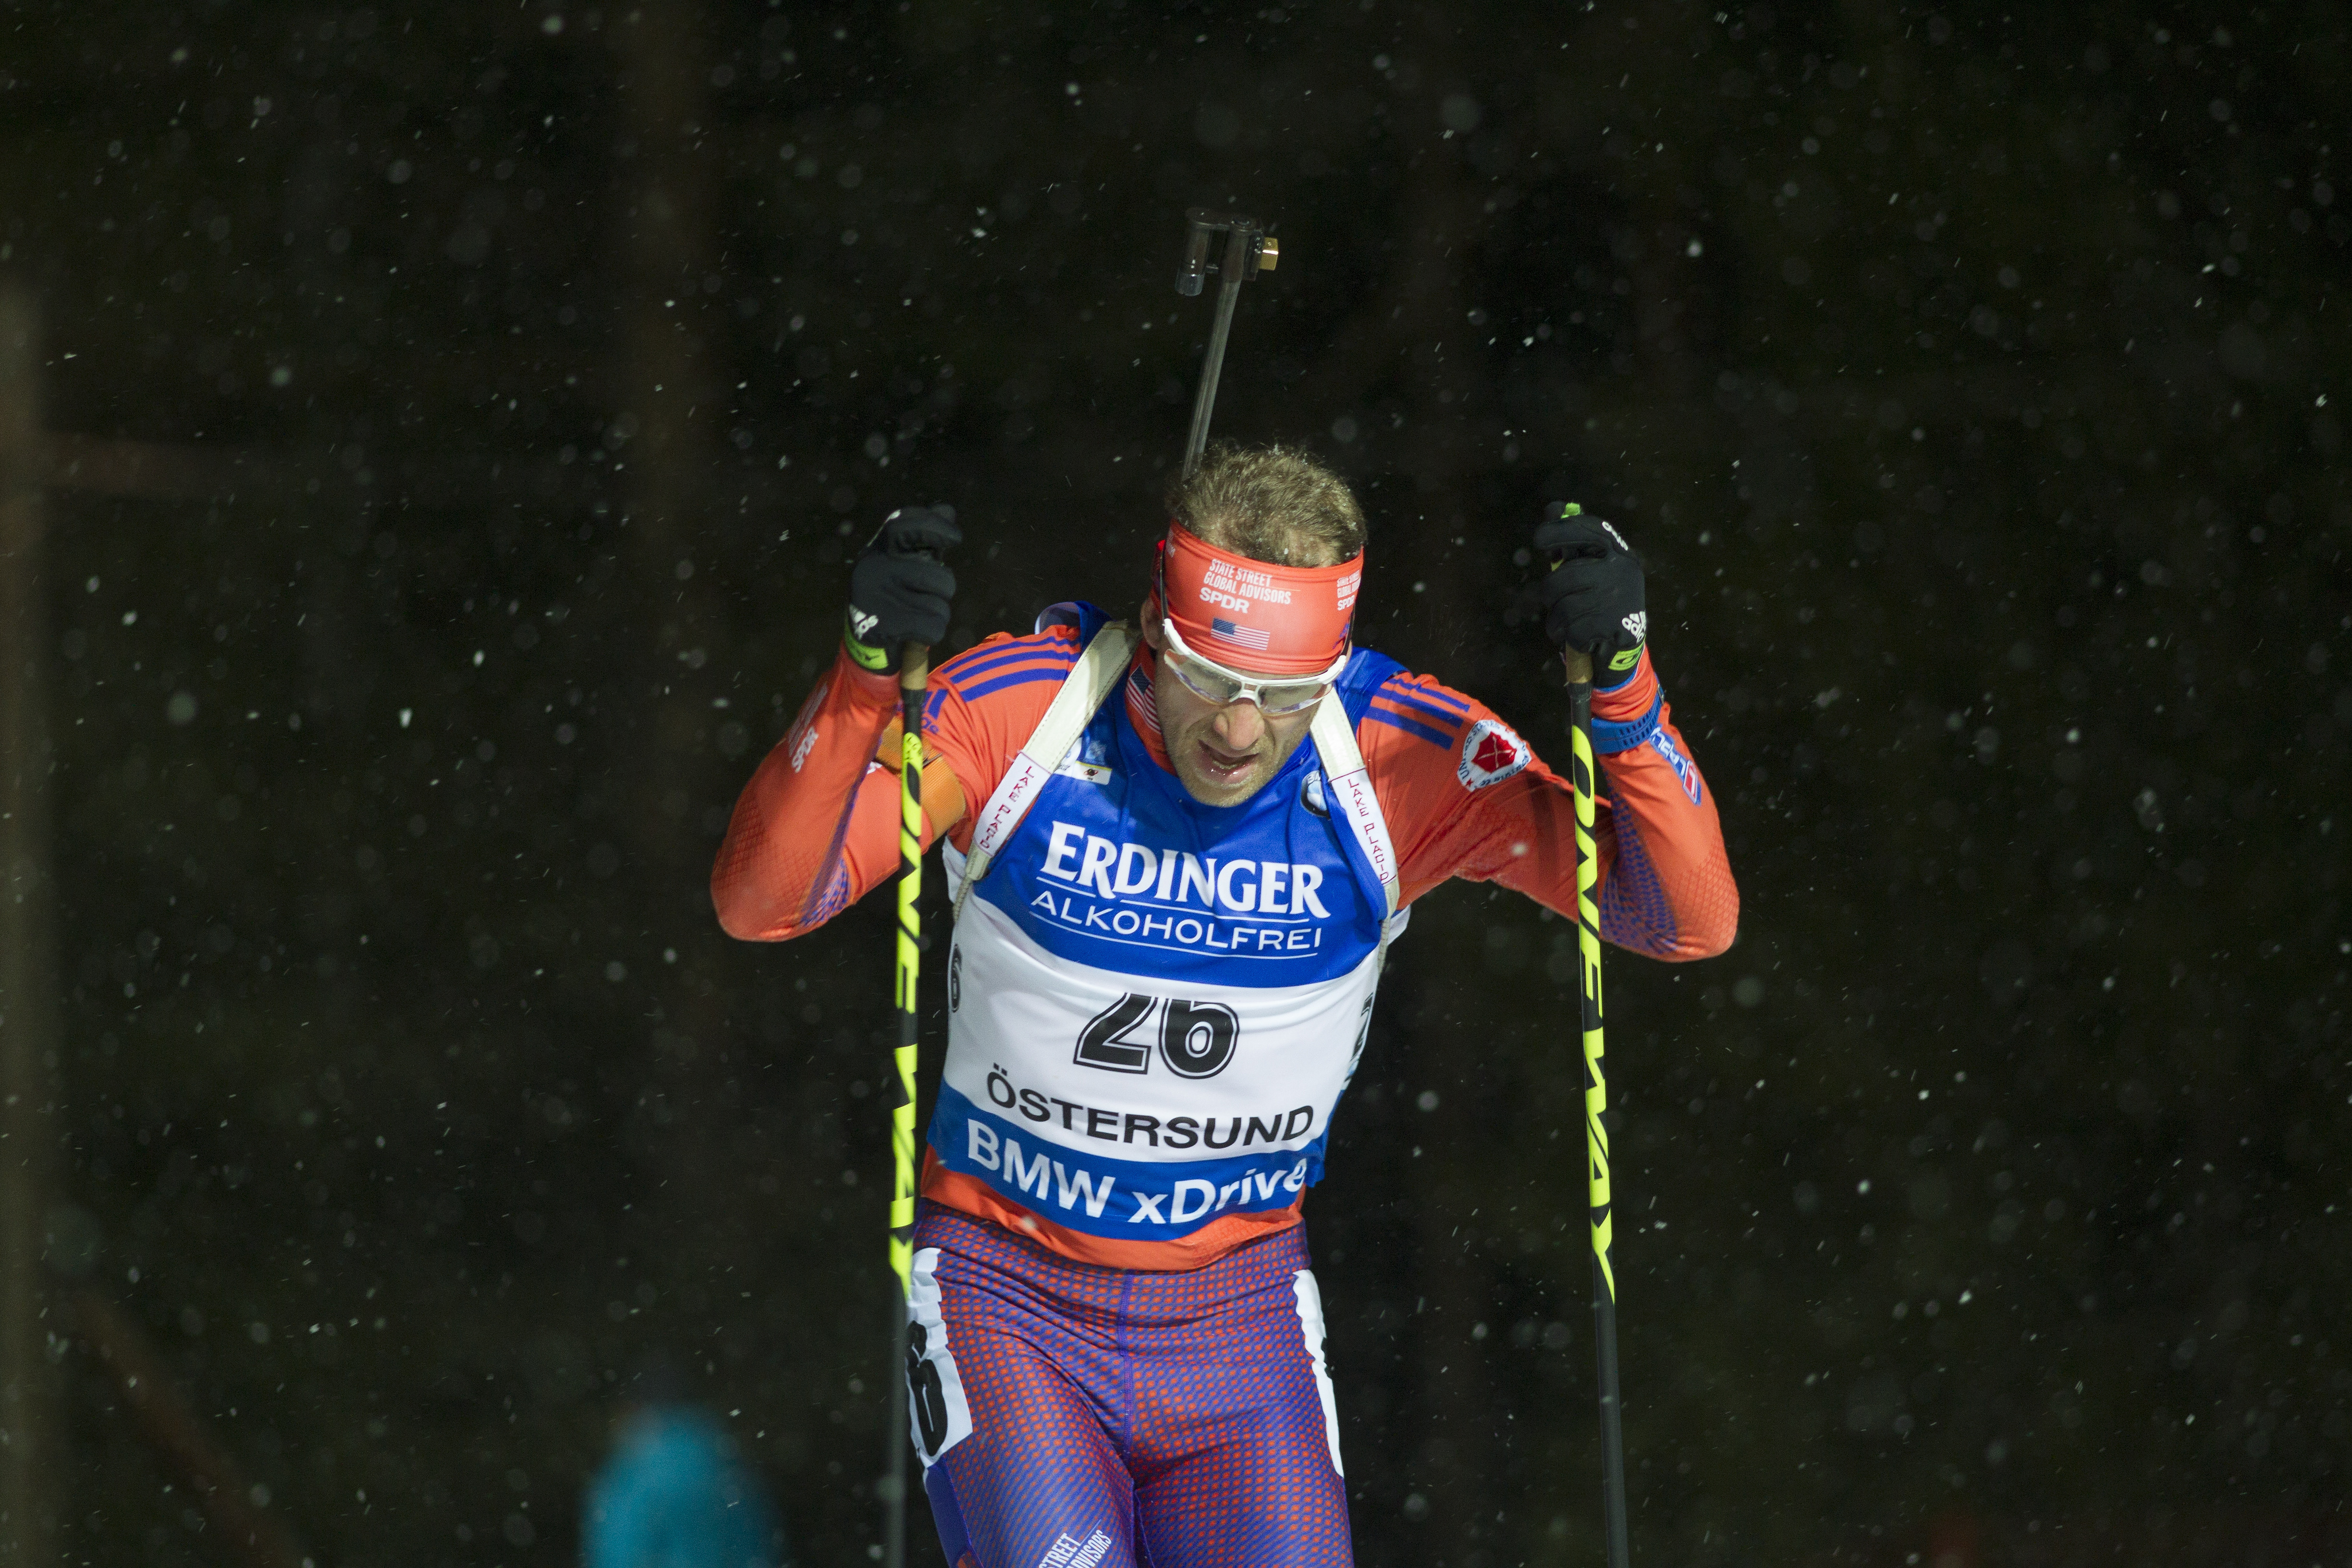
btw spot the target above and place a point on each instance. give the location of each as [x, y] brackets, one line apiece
[1352, 798]
[1090, 681]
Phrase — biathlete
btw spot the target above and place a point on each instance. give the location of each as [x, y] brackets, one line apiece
[1178, 854]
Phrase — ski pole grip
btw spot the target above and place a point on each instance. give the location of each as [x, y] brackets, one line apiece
[1580, 666]
[914, 666]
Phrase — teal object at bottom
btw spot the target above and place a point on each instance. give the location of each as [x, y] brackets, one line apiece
[675, 1494]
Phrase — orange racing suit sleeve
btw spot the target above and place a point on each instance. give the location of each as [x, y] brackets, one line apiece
[1467, 796]
[817, 827]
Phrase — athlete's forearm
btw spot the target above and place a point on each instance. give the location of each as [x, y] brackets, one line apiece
[818, 825]
[795, 853]
[1666, 880]
[1667, 888]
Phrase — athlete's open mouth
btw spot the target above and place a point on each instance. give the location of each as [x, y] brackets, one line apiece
[1222, 767]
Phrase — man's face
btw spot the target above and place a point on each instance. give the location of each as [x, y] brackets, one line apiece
[1223, 754]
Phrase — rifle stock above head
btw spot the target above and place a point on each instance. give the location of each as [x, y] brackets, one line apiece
[1249, 250]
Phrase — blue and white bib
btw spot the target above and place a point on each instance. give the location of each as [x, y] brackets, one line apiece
[1153, 1003]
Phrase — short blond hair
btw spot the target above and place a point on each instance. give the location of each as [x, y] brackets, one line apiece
[1276, 504]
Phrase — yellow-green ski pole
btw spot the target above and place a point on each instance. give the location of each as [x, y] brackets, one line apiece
[914, 670]
[1596, 1100]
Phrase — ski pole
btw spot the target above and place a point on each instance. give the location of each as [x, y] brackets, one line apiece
[913, 672]
[1596, 1101]
[1249, 250]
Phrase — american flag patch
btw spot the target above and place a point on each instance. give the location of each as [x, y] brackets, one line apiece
[1245, 636]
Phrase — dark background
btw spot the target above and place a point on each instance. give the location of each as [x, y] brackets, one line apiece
[1969, 379]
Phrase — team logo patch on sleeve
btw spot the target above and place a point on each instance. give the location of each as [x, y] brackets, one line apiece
[1491, 752]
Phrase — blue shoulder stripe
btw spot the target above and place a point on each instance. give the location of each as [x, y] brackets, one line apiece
[1410, 697]
[966, 681]
[1443, 743]
[1405, 690]
[963, 667]
[1017, 678]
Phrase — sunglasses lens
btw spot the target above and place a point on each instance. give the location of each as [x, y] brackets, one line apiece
[1205, 684]
[1288, 698]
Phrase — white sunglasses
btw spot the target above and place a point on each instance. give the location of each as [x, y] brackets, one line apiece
[1213, 682]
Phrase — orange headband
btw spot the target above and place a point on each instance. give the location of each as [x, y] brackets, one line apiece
[1254, 614]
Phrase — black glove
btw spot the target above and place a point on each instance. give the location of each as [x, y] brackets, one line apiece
[1591, 597]
[899, 589]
